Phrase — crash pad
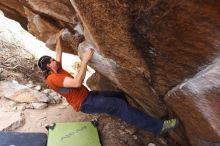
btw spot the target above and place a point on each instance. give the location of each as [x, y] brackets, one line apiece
[73, 134]
[22, 139]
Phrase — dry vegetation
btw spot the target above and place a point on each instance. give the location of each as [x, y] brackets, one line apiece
[17, 64]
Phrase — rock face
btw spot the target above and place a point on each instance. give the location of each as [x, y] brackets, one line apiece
[99, 82]
[14, 10]
[146, 49]
[21, 93]
[11, 121]
[196, 102]
[28, 94]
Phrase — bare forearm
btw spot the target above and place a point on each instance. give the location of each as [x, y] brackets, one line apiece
[58, 50]
[82, 73]
[79, 78]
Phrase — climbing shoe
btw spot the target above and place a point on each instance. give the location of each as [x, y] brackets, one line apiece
[169, 124]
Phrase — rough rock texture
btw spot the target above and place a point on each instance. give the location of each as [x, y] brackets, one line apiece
[175, 38]
[124, 79]
[14, 10]
[46, 16]
[44, 23]
[60, 10]
[11, 120]
[182, 38]
[196, 102]
[40, 27]
[99, 82]
[118, 58]
[21, 93]
[146, 48]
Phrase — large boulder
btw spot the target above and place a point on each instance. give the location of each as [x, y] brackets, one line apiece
[11, 120]
[21, 93]
[44, 19]
[39, 26]
[59, 10]
[146, 49]
[99, 82]
[14, 10]
[153, 44]
[196, 102]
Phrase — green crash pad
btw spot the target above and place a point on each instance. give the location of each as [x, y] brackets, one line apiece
[73, 134]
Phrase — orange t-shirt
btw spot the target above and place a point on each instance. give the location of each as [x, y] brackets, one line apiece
[74, 96]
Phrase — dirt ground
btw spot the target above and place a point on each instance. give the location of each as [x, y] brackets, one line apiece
[19, 65]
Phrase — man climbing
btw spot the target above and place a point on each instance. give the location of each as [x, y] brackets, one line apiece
[81, 99]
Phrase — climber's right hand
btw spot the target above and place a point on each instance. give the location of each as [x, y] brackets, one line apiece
[59, 34]
[87, 55]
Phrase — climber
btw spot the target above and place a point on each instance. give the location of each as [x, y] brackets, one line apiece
[81, 99]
